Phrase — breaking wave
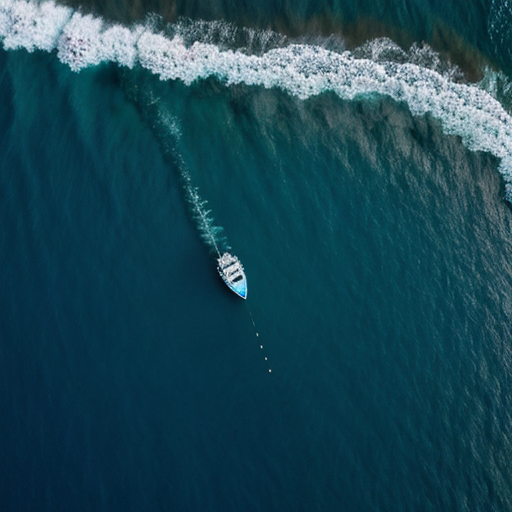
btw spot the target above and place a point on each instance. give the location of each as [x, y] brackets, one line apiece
[303, 70]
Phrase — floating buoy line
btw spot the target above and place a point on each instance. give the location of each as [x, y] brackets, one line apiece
[257, 336]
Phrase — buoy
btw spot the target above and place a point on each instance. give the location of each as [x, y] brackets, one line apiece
[253, 324]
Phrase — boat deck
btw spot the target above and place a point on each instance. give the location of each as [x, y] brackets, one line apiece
[232, 273]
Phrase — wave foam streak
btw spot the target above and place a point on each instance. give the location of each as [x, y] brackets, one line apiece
[301, 70]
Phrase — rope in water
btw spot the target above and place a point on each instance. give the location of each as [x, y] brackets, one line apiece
[257, 335]
[248, 309]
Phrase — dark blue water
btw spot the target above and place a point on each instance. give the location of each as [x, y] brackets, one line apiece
[378, 255]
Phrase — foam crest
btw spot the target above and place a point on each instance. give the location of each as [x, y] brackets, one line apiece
[225, 35]
[301, 70]
[31, 26]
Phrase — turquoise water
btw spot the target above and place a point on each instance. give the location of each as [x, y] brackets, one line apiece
[365, 198]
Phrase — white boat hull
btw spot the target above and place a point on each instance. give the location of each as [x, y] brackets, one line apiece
[232, 273]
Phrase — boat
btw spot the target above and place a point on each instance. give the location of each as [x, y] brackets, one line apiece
[232, 273]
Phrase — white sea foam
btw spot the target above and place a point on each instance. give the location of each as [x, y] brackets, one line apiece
[31, 26]
[300, 69]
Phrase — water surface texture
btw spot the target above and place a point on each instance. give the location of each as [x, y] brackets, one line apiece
[357, 157]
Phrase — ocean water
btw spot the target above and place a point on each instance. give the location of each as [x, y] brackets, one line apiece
[357, 157]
